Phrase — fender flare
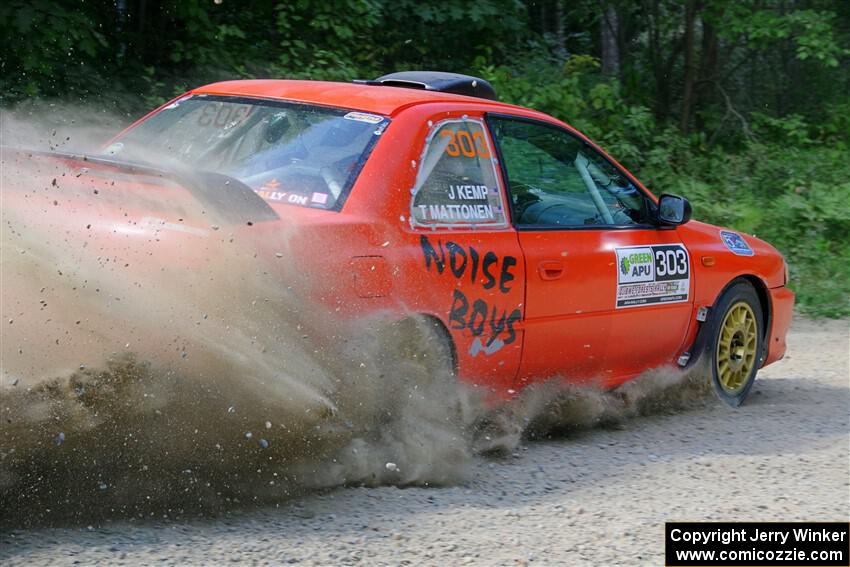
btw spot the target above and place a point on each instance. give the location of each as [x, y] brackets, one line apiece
[429, 320]
[707, 328]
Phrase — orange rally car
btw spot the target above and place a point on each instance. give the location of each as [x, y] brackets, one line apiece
[528, 251]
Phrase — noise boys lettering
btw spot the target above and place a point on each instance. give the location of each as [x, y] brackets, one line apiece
[481, 318]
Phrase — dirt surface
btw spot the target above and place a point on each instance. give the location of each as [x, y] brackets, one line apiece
[599, 497]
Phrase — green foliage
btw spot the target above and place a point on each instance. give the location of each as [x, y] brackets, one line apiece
[796, 198]
[764, 149]
[576, 93]
[53, 45]
[317, 40]
[810, 30]
[790, 189]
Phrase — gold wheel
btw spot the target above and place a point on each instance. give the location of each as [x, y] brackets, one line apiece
[737, 346]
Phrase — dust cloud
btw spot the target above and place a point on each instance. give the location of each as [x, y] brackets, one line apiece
[145, 379]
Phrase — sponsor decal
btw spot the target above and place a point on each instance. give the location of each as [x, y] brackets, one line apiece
[364, 117]
[269, 192]
[271, 195]
[281, 196]
[648, 275]
[736, 243]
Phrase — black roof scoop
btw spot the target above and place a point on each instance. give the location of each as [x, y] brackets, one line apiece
[437, 81]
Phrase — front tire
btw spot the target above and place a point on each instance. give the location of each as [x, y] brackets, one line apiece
[737, 343]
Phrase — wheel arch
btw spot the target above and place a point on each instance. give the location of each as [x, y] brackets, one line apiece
[751, 290]
[430, 320]
[764, 303]
[701, 343]
[444, 333]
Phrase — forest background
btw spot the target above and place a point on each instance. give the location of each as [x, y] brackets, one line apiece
[743, 106]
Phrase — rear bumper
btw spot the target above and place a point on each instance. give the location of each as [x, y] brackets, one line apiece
[782, 303]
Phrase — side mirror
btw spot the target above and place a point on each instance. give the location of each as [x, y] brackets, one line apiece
[673, 210]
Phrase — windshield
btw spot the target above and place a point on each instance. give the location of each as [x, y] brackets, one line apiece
[286, 152]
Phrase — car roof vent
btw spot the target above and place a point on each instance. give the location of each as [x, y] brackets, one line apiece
[437, 81]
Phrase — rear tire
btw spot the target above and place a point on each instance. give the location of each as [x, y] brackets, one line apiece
[736, 345]
[420, 343]
[415, 357]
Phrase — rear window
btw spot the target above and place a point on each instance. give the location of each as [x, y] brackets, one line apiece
[291, 153]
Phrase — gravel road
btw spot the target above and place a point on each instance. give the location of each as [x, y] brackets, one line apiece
[596, 498]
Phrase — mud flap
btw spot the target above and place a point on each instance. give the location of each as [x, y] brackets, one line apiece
[702, 342]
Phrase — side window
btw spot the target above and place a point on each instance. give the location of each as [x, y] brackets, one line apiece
[556, 179]
[457, 183]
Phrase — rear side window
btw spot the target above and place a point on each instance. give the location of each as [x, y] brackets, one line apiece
[457, 184]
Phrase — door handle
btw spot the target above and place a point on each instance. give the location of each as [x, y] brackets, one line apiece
[550, 269]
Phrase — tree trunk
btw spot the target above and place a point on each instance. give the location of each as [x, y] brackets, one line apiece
[560, 36]
[708, 68]
[662, 67]
[689, 71]
[661, 89]
[610, 31]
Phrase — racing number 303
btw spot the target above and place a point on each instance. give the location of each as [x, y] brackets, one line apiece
[670, 262]
[466, 144]
[224, 115]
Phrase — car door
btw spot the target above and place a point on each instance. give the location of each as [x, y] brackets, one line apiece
[468, 262]
[607, 291]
